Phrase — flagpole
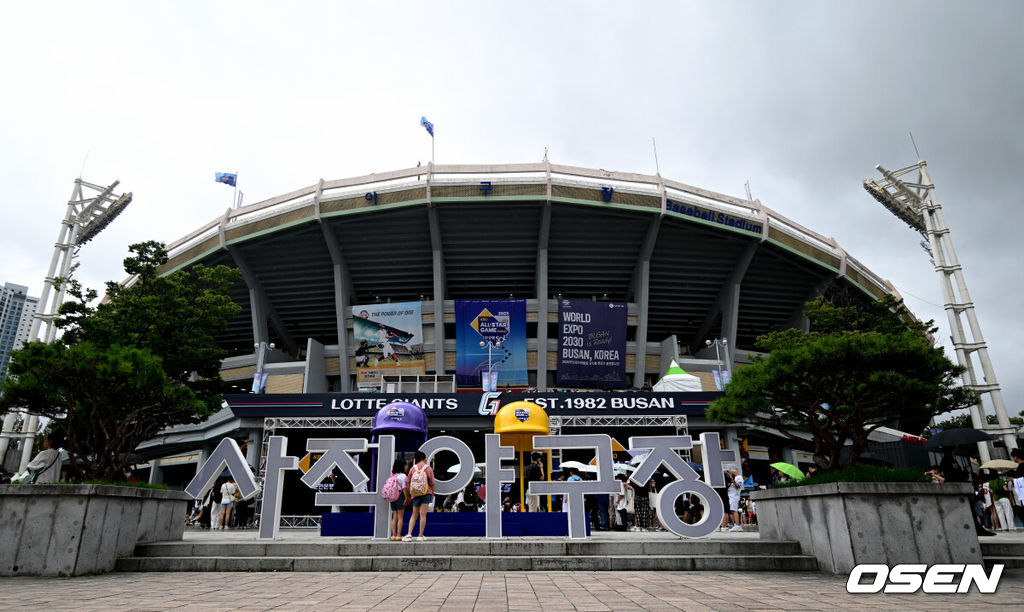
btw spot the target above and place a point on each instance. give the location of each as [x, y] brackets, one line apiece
[234, 200]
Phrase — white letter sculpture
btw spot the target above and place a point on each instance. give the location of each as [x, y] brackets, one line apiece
[336, 453]
[227, 454]
[575, 490]
[273, 485]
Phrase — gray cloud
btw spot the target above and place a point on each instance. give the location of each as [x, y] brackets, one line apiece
[801, 99]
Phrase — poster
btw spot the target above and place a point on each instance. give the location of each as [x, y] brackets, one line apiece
[389, 340]
[499, 325]
[591, 344]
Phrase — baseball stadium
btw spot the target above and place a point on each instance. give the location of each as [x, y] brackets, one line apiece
[354, 293]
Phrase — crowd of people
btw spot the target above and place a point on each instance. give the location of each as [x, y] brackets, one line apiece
[633, 509]
[998, 500]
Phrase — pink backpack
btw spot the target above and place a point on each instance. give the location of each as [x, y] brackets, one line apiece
[392, 489]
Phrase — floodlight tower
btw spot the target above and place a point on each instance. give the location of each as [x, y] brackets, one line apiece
[915, 203]
[84, 218]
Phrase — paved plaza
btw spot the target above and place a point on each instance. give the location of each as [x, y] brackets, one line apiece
[488, 591]
[561, 591]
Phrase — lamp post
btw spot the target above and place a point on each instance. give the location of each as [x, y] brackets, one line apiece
[261, 362]
[490, 344]
[723, 342]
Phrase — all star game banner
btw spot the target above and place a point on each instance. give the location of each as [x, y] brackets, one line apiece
[389, 340]
[591, 344]
[500, 324]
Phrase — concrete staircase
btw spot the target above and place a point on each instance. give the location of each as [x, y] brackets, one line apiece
[1010, 554]
[748, 554]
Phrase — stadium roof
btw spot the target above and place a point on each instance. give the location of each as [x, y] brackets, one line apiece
[489, 226]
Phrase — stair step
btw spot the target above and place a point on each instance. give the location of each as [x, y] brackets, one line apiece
[449, 548]
[471, 563]
[1007, 562]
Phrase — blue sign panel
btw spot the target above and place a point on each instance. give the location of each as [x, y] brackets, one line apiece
[591, 344]
[501, 326]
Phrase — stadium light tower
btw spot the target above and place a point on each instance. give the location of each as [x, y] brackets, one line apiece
[84, 218]
[915, 203]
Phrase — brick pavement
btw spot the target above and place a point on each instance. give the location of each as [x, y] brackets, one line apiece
[492, 592]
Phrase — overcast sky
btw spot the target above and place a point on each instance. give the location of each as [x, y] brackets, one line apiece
[801, 99]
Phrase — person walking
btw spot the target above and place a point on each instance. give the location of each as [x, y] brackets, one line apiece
[735, 487]
[400, 480]
[421, 492]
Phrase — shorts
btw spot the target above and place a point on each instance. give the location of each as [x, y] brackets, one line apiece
[734, 504]
[228, 504]
[398, 504]
[419, 500]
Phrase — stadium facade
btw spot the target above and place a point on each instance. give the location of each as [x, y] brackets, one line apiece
[685, 264]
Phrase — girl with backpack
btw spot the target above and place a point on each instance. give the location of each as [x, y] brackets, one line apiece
[395, 491]
[421, 491]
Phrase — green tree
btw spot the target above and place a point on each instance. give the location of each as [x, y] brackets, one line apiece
[141, 361]
[859, 368]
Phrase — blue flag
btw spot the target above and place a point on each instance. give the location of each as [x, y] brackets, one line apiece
[428, 125]
[227, 178]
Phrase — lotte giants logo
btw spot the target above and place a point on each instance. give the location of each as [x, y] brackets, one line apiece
[914, 577]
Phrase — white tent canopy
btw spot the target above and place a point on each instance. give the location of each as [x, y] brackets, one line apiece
[676, 379]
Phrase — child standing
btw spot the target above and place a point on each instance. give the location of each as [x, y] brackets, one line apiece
[398, 505]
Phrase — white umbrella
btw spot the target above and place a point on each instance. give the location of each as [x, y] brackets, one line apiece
[998, 464]
[576, 465]
[623, 467]
[455, 469]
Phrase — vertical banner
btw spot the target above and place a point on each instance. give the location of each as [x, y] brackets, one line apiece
[389, 340]
[591, 344]
[500, 324]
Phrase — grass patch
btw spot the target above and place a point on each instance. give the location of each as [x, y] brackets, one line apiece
[859, 473]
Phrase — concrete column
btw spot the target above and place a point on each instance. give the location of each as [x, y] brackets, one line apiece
[7, 434]
[341, 300]
[252, 452]
[440, 285]
[730, 323]
[204, 454]
[542, 320]
[439, 294]
[314, 378]
[643, 305]
[28, 432]
[542, 295]
[156, 473]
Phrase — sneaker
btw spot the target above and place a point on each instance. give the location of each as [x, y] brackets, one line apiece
[407, 538]
[421, 539]
[736, 528]
[396, 538]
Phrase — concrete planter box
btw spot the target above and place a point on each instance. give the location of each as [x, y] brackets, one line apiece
[51, 530]
[848, 523]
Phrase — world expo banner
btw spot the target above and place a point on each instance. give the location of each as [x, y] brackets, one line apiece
[498, 323]
[591, 344]
[389, 340]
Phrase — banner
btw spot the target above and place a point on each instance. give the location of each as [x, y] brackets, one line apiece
[440, 405]
[498, 324]
[591, 344]
[389, 340]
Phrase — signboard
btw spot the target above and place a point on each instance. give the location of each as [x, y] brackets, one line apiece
[389, 340]
[468, 404]
[591, 344]
[499, 325]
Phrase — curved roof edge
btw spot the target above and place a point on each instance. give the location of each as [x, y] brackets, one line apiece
[529, 181]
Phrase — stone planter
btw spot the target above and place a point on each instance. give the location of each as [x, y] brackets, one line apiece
[52, 530]
[848, 523]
